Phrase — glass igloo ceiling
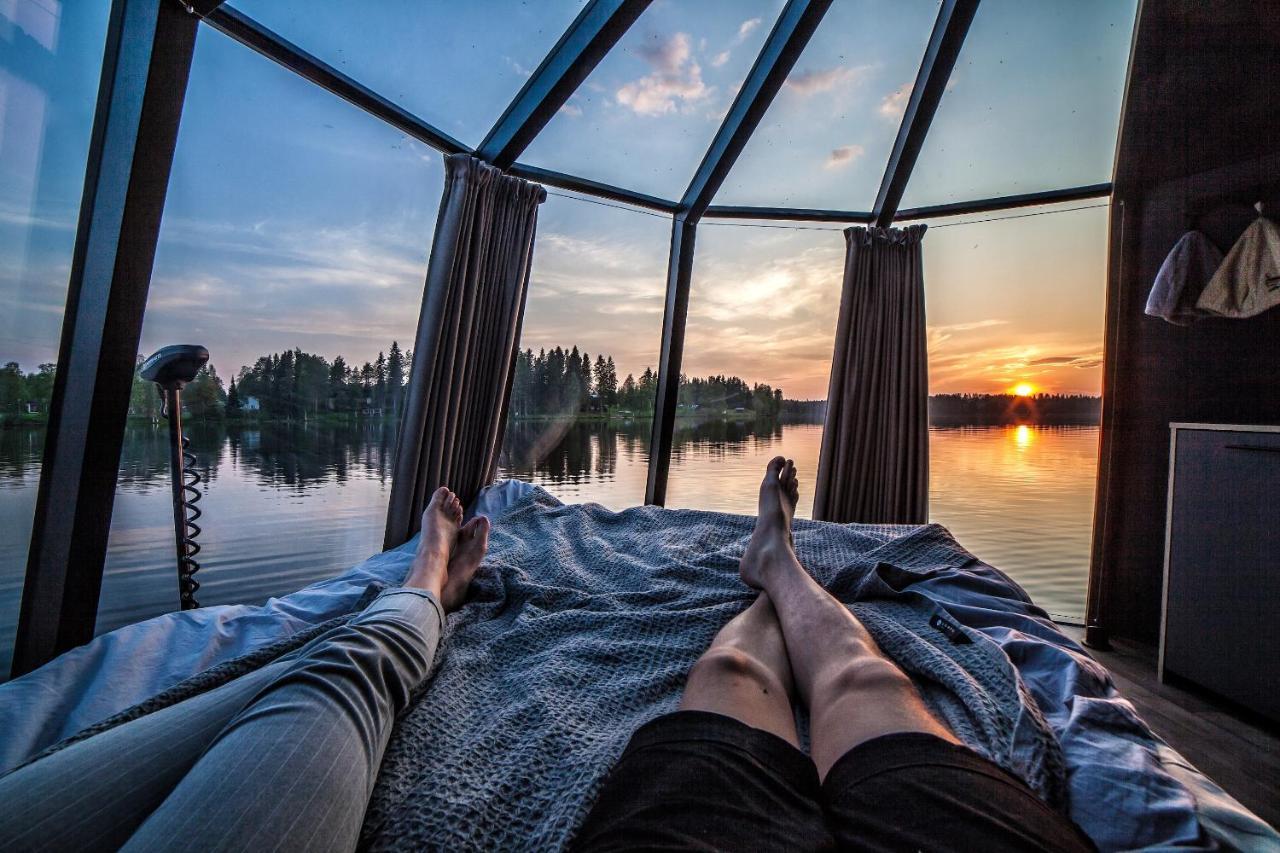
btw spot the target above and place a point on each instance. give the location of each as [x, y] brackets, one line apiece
[1032, 104]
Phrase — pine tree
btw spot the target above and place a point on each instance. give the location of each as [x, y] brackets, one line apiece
[395, 377]
[380, 381]
[233, 400]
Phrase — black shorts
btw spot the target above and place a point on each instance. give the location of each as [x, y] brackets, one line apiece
[694, 780]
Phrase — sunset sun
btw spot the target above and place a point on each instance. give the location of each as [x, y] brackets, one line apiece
[1024, 389]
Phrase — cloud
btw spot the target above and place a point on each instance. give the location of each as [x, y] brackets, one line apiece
[720, 59]
[843, 156]
[811, 82]
[252, 288]
[745, 28]
[676, 80]
[571, 110]
[1083, 362]
[970, 326]
[894, 104]
[518, 68]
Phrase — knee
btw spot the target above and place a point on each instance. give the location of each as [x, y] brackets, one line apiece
[727, 664]
[862, 674]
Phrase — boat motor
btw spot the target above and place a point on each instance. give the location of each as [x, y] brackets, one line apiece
[171, 368]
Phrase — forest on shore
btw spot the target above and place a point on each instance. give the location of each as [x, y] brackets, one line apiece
[294, 385]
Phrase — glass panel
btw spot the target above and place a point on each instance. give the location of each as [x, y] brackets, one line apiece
[419, 54]
[1015, 306]
[645, 117]
[50, 62]
[1033, 103]
[827, 136]
[762, 323]
[296, 233]
[597, 290]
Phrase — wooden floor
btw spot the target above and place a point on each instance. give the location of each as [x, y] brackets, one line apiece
[1243, 756]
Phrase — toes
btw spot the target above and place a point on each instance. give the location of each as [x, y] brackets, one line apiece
[476, 528]
[775, 466]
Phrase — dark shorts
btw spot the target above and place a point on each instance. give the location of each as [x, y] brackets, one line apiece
[700, 781]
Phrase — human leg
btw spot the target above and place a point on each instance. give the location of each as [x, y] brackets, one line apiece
[853, 691]
[894, 777]
[725, 771]
[745, 674]
[295, 768]
[96, 793]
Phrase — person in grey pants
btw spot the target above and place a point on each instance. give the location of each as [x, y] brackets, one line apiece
[309, 730]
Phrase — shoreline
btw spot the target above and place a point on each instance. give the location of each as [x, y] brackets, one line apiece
[30, 422]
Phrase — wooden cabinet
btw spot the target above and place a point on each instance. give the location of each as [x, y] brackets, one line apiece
[1221, 618]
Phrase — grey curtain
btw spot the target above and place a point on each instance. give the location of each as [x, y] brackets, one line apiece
[468, 332]
[874, 463]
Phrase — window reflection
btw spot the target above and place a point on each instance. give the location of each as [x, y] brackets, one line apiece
[294, 246]
[757, 359]
[581, 408]
[50, 61]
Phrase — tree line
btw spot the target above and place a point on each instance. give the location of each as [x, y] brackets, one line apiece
[1002, 409]
[25, 393]
[290, 385]
[297, 385]
[561, 382]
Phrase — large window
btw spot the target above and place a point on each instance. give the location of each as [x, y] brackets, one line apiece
[757, 358]
[645, 116]
[455, 64]
[581, 409]
[1032, 104]
[1015, 313]
[825, 141]
[50, 62]
[294, 247]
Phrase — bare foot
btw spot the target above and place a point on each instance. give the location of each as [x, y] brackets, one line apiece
[440, 522]
[468, 551]
[771, 540]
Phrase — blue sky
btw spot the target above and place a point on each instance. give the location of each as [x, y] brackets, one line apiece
[296, 220]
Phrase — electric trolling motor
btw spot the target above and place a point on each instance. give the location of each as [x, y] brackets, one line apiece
[171, 368]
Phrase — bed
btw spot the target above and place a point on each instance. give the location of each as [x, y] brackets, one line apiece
[583, 624]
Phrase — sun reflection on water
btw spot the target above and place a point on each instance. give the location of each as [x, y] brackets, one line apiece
[1023, 436]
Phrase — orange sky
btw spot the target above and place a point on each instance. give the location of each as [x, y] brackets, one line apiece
[1016, 300]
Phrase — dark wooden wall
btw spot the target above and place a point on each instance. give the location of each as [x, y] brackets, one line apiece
[1199, 144]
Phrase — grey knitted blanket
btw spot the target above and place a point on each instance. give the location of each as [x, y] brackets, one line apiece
[583, 625]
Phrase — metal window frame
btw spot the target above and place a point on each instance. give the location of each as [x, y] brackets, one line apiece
[945, 42]
[146, 66]
[791, 32]
[592, 35]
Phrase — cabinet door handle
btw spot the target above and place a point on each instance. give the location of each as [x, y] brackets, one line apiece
[1258, 447]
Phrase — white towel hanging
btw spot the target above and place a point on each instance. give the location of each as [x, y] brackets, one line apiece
[1183, 275]
[1248, 282]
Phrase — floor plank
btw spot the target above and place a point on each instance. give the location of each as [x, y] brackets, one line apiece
[1243, 756]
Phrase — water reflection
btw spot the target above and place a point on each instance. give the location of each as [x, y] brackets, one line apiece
[287, 505]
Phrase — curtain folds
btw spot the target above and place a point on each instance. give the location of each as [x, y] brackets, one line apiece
[468, 332]
[874, 463]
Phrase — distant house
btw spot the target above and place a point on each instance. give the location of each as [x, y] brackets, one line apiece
[32, 407]
[251, 404]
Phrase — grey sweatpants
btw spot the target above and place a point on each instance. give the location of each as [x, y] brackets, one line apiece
[283, 758]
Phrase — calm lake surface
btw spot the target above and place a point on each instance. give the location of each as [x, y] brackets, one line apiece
[287, 505]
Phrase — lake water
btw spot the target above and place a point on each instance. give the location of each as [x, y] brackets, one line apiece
[285, 506]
